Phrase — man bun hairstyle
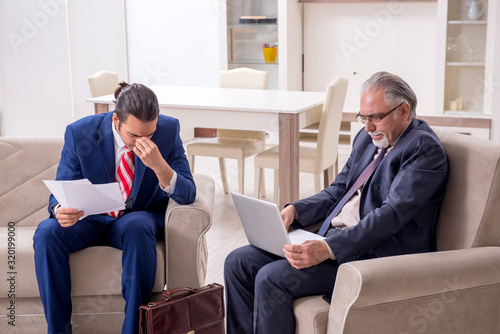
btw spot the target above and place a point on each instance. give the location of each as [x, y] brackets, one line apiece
[396, 90]
[136, 100]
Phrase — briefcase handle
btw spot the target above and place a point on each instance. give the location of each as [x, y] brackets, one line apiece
[170, 293]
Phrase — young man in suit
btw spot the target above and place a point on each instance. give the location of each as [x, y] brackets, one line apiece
[394, 212]
[157, 170]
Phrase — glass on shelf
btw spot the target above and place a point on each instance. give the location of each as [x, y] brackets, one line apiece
[451, 50]
[462, 49]
[270, 52]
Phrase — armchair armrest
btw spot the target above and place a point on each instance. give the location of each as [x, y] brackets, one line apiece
[441, 292]
[185, 228]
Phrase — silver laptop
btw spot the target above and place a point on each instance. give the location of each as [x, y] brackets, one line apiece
[264, 226]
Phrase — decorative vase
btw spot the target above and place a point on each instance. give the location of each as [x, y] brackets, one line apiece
[476, 9]
[270, 53]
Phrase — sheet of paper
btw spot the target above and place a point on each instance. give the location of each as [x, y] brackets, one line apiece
[299, 236]
[83, 195]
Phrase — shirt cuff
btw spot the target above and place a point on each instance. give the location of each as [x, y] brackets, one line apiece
[54, 208]
[171, 187]
[332, 256]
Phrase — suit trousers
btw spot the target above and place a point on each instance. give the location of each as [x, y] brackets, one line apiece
[134, 233]
[261, 288]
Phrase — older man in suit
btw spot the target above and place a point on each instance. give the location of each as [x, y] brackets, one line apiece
[140, 149]
[393, 211]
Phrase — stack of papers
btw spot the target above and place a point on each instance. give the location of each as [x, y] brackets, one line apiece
[83, 195]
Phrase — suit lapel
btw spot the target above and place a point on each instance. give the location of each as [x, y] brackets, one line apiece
[370, 151]
[106, 145]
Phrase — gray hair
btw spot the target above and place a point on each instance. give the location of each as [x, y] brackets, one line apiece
[396, 90]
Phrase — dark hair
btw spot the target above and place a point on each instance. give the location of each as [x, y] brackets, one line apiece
[396, 90]
[136, 100]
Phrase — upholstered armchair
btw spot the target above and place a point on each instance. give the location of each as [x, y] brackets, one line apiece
[96, 271]
[454, 290]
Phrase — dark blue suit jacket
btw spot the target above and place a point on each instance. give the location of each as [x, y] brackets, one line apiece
[89, 152]
[399, 204]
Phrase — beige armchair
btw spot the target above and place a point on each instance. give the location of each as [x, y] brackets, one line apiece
[233, 144]
[454, 290]
[96, 271]
[103, 83]
[311, 159]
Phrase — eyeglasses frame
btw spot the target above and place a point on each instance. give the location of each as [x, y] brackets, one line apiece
[362, 119]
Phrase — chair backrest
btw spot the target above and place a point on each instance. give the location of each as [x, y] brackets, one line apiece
[103, 83]
[244, 78]
[329, 124]
[24, 164]
[470, 213]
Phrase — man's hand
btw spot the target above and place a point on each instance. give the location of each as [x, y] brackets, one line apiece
[150, 155]
[288, 214]
[308, 254]
[68, 217]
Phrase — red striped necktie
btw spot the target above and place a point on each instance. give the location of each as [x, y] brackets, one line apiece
[365, 175]
[125, 178]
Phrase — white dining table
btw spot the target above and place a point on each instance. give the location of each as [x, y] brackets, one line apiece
[279, 111]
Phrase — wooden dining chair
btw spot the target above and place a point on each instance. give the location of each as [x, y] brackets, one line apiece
[233, 144]
[311, 159]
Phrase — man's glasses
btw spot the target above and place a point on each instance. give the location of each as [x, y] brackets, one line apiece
[374, 118]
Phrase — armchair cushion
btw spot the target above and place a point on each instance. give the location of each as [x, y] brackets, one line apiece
[311, 315]
[413, 291]
[470, 207]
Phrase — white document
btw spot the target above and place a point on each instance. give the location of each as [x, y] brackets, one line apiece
[299, 236]
[83, 195]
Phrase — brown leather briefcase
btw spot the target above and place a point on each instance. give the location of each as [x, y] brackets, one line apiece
[185, 310]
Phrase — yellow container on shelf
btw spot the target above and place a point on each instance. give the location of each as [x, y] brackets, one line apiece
[270, 53]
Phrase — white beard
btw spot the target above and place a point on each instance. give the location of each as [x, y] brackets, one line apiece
[381, 143]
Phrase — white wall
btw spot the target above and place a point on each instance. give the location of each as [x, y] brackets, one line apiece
[50, 47]
[343, 38]
[290, 45]
[47, 50]
[98, 42]
[28, 60]
[174, 42]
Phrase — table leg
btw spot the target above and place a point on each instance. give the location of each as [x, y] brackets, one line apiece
[288, 158]
[100, 108]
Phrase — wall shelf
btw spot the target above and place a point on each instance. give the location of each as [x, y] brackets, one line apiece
[464, 63]
[464, 22]
[252, 61]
